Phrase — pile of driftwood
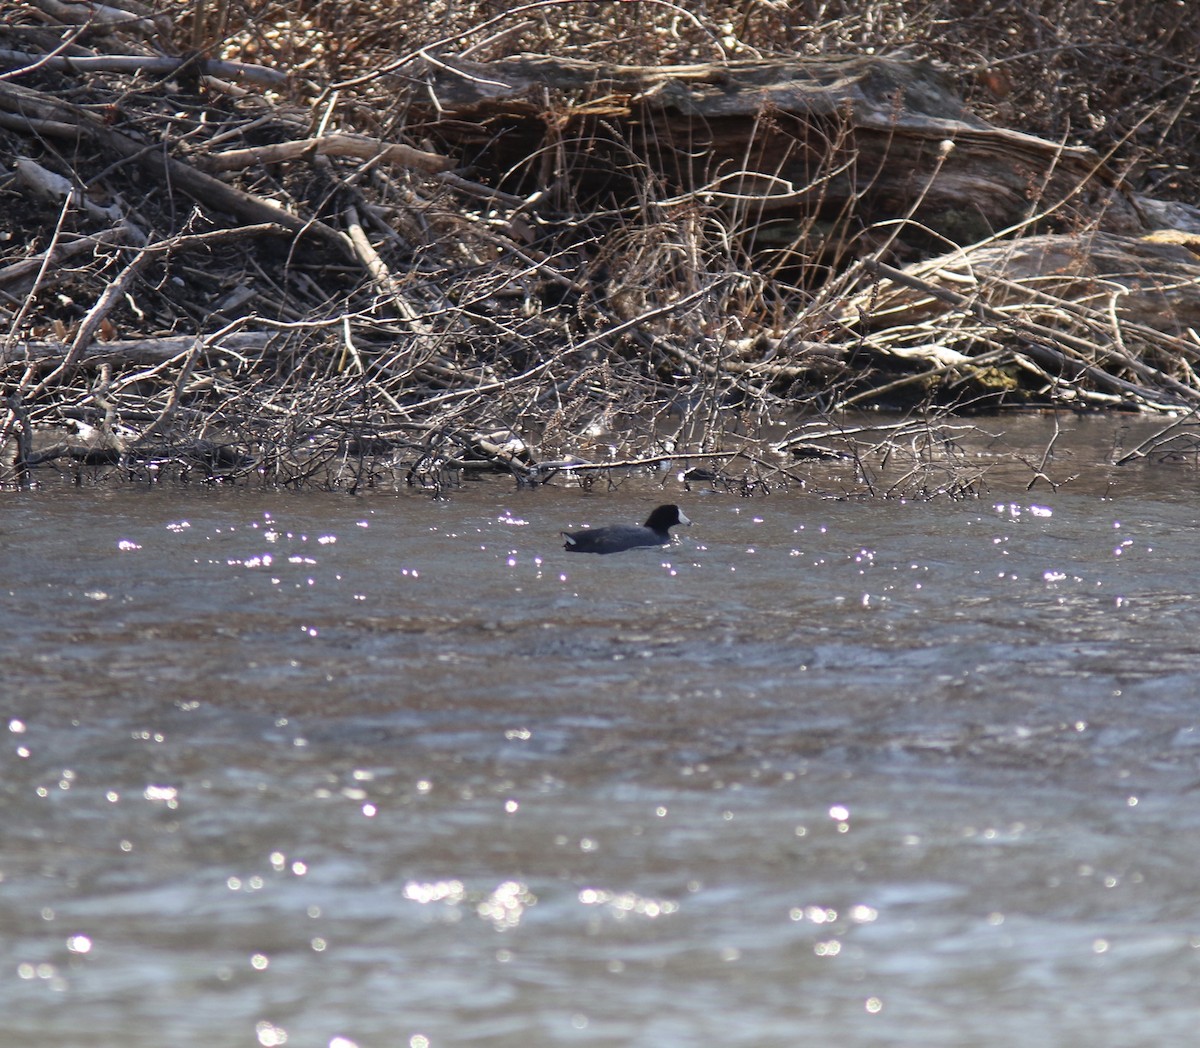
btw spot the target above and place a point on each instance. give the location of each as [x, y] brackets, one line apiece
[214, 268]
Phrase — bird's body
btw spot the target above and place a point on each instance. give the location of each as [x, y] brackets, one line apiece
[616, 538]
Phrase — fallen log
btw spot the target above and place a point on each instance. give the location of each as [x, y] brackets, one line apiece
[877, 137]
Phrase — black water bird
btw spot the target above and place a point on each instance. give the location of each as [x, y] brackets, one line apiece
[619, 537]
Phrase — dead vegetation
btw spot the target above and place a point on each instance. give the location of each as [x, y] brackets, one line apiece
[356, 244]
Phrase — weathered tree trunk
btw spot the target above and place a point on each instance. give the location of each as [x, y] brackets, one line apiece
[840, 142]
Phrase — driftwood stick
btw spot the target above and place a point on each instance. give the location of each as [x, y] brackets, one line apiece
[359, 146]
[137, 352]
[425, 340]
[46, 128]
[52, 186]
[156, 65]
[101, 16]
[482, 192]
[375, 266]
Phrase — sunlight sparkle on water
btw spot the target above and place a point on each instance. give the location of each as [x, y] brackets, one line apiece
[813, 914]
[270, 1035]
[435, 891]
[622, 904]
[251, 562]
[506, 905]
[168, 794]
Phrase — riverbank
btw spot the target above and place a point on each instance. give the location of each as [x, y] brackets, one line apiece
[288, 251]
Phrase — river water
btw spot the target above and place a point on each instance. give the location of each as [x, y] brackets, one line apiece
[397, 771]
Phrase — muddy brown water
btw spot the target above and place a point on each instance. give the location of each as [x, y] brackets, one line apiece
[390, 771]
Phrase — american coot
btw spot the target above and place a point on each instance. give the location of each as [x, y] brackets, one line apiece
[618, 537]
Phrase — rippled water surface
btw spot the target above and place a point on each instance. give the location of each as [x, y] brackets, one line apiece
[333, 771]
